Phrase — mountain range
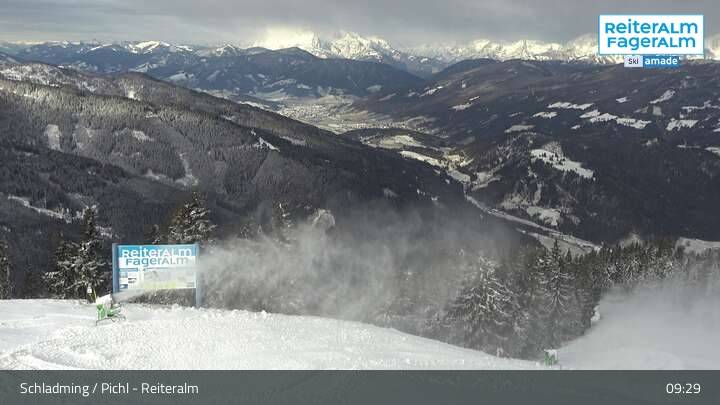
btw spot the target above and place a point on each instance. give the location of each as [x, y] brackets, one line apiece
[596, 151]
[134, 148]
[539, 139]
[422, 60]
[227, 71]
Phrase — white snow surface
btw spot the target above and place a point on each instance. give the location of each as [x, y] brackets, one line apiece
[560, 162]
[548, 216]
[570, 106]
[679, 124]
[53, 134]
[664, 97]
[399, 142]
[713, 149]
[697, 246]
[659, 328]
[519, 128]
[423, 158]
[55, 334]
[596, 116]
[461, 107]
[546, 114]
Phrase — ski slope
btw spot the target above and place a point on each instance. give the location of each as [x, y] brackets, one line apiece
[661, 328]
[653, 329]
[54, 334]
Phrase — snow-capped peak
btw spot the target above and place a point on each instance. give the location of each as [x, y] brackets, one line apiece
[282, 38]
[351, 45]
[227, 50]
[146, 46]
[344, 44]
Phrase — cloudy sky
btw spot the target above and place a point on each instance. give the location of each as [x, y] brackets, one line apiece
[402, 22]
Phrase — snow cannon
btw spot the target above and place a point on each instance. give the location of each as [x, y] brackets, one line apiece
[107, 309]
[551, 357]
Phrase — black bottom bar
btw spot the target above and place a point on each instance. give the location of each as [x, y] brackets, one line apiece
[360, 387]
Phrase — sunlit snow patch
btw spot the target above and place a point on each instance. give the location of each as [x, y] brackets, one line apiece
[713, 149]
[560, 162]
[570, 106]
[423, 158]
[632, 122]
[461, 107]
[548, 216]
[546, 114]
[519, 128]
[665, 97]
[53, 134]
[399, 141]
[679, 124]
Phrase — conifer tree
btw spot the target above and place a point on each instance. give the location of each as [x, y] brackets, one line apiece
[62, 275]
[483, 314]
[156, 235]
[79, 266]
[281, 222]
[191, 223]
[34, 286]
[556, 313]
[90, 267]
[401, 303]
[6, 282]
[563, 315]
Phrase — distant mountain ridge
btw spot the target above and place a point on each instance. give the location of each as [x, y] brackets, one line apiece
[422, 60]
[227, 71]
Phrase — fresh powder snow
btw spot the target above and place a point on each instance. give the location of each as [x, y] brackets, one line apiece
[56, 334]
[654, 328]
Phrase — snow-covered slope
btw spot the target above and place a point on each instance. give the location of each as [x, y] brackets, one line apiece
[51, 334]
[661, 328]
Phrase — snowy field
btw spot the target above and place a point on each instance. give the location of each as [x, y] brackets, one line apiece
[50, 334]
[653, 329]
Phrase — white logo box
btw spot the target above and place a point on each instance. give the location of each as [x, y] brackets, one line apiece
[651, 34]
